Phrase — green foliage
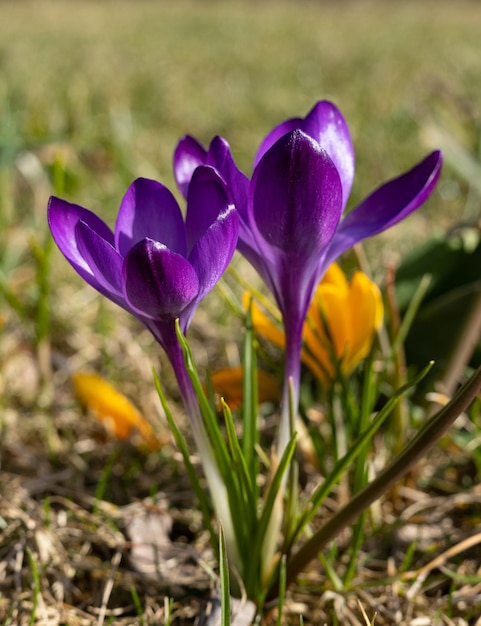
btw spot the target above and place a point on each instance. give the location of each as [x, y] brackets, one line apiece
[453, 264]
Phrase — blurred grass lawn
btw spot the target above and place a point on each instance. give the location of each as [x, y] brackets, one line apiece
[119, 82]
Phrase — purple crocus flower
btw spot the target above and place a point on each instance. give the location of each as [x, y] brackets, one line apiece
[290, 211]
[159, 268]
[153, 265]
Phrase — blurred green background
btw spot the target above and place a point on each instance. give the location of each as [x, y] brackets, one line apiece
[96, 93]
[110, 86]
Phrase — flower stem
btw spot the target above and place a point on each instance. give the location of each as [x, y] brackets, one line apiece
[290, 392]
[213, 476]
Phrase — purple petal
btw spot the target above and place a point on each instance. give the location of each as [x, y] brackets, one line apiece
[296, 197]
[326, 125]
[220, 157]
[63, 218]
[213, 251]
[276, 133]
[389, 204]
[188, 155]
[207, 199]
[103, 260]
[212, 226]
[158, 283]
[150, 210]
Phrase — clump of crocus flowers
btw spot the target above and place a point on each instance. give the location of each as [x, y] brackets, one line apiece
[287, 219]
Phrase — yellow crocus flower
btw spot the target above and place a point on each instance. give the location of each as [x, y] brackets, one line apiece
[114, 409]
[227, 384]
[340, 324]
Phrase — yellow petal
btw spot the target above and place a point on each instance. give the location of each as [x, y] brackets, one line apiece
[325, 329]
[113, 409]
[320, 366]
[316, 353]
[379, 315]
[333, 302]
[227, 384]
[366, 314]
[265, 327]
[335, 276]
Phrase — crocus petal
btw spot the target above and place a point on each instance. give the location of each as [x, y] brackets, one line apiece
[63, 218]
[332, 303]
[366, 311]
[389, 204]
[265, 327]
[207, 199]
[103, 259]
[228, 384]
[158, 283]
[212, 253]
[149, 209]
[296, 196]
[326, 125]
[317, 356]
[296, 202]
[188, 155]
[220, 157]
[336, 277]
[317, 349]
[114, 409]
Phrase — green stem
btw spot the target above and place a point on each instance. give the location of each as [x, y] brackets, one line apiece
[213, 475]
[250, 437]
[398, 376]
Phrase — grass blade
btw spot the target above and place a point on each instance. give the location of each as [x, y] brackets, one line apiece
[224, 580]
